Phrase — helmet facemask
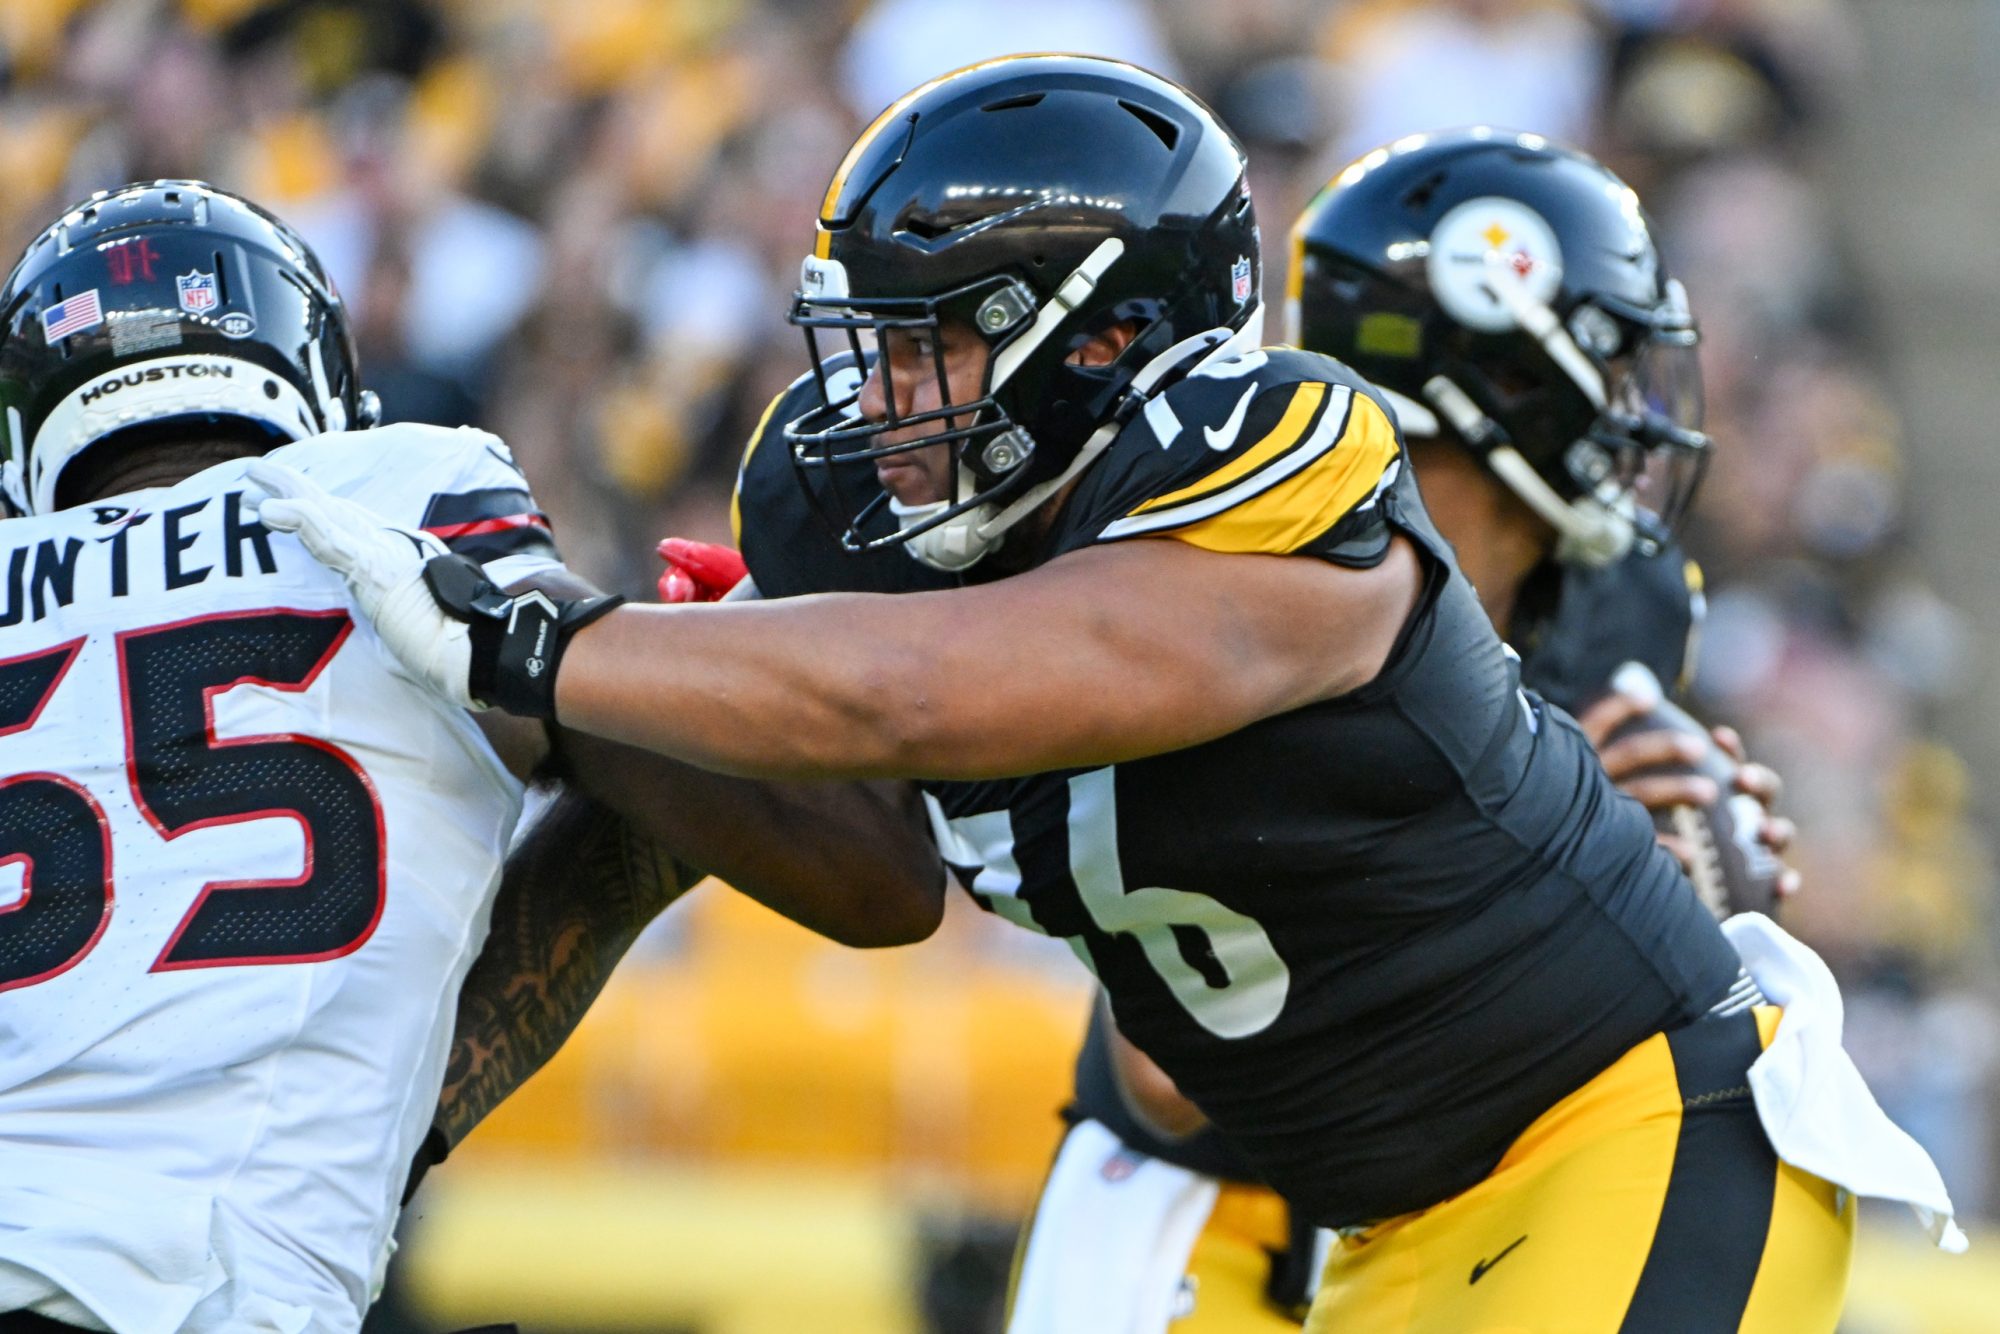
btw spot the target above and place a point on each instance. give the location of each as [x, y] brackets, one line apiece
[1625, 396]
[1000, 470]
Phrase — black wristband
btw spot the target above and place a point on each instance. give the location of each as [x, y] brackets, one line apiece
[516, 641]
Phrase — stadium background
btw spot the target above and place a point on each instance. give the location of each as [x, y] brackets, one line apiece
[576, 223]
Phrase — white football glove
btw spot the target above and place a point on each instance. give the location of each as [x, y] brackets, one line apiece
[384, 569]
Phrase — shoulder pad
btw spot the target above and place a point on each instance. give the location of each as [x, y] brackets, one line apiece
[1275, 451]
[459, 484]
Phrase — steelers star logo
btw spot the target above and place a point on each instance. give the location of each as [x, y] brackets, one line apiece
[1484, 242]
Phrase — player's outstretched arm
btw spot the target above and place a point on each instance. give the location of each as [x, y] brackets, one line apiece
[1103, 655]
[850, 861]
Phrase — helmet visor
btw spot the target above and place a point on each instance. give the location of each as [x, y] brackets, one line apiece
[1647, 445]
[1658, 403]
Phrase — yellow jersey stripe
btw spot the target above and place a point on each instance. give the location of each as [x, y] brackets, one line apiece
[1308, 504]
[1346, 474]
[1324, 436]
[736, 493]
[1292, 429]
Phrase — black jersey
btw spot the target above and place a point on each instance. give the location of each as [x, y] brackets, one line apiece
[1574, 627]
[1372, 938]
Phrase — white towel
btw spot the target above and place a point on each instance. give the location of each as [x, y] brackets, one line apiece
[1815, 1107]
[1110, 1241]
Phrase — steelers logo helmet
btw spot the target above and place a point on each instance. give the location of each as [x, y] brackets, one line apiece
[1507, 293]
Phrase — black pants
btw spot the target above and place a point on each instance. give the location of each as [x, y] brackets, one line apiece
[27, 1322]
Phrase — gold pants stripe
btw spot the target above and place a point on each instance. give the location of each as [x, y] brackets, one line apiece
[1647, 1200]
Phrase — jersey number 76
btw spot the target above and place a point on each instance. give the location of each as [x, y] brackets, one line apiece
[183, 777]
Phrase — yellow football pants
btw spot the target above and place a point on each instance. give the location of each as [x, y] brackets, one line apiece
[1646, 1202]
[1231, 1266]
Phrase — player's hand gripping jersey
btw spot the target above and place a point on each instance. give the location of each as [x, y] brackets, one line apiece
[1373, 938]
[244, 864]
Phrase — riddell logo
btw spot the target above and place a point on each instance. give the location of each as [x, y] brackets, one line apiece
[152, 375]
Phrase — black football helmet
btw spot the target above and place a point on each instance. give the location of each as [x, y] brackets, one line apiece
[1039, 200]
[159, 302]
[1507, 293]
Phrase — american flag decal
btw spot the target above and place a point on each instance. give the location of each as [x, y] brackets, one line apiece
[80, 312]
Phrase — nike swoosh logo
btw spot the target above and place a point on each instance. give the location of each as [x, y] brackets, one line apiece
[1226, 437]
[1479, 1270]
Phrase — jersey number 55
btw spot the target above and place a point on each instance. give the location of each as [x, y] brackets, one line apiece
[182, 778]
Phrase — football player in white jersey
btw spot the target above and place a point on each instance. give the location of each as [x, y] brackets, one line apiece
[245, 859]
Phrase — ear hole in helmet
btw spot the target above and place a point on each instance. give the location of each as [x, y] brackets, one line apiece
[1163, 129]
[1418, 197]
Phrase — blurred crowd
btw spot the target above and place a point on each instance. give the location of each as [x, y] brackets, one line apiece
[578, 224]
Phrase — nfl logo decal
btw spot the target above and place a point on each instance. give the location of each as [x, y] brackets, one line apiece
[1119, 1166]
[197, 291]
[1239, 278]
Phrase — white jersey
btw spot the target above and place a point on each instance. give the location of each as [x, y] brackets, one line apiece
[244, 865]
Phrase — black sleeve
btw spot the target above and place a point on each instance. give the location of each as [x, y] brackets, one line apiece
[1646, 608]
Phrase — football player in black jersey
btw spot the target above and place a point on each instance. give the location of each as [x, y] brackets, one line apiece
[1580, 578]
[1215, 706]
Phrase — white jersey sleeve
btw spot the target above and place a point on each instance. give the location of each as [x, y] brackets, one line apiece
[244, 866]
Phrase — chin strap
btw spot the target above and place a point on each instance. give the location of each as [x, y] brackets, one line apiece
[1590, 530]
[952, 546]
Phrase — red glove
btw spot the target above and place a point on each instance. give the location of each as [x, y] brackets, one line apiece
[698, 571]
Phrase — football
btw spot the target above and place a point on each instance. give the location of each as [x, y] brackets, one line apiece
[1731, 870]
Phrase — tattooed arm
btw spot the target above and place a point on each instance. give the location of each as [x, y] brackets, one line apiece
[578, 889]
[852, 861]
